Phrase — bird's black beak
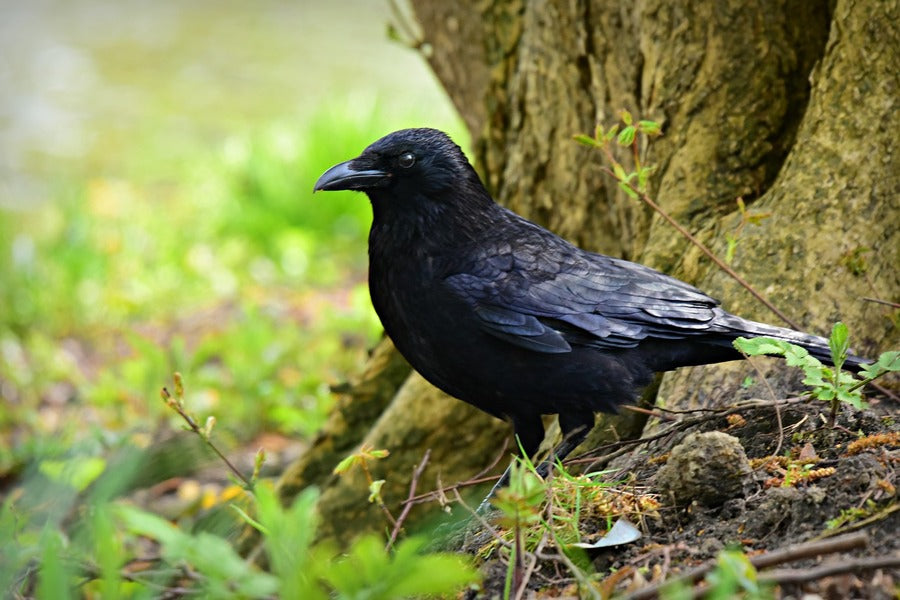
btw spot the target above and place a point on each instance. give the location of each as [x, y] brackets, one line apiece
[345, 176]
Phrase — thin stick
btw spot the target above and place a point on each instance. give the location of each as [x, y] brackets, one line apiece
[417, 473]
[174, 404]
[652, 413]
[878, 301]
[476, 479]
[775, 402]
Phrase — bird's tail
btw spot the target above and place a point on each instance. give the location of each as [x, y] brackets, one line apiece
[815, 345]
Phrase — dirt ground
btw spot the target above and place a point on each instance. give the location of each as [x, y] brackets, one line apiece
[801, 483]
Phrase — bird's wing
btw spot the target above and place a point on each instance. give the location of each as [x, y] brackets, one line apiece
[547, 298]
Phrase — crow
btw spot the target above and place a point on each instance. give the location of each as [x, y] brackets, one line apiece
[511, 318]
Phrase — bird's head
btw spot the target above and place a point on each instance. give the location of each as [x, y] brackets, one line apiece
[410, 167]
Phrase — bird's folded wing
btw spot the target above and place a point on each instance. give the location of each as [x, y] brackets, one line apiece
[546, 303]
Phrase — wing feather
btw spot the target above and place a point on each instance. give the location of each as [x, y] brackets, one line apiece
[548, 298]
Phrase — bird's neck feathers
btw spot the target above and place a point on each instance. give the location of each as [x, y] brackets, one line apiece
[417, 219]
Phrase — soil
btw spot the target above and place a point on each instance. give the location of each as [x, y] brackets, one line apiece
[829, 473]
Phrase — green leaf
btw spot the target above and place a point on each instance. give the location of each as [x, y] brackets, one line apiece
[53, 577]
[619, 172]
[839, 344]
[77, 472]
[733, 572]
[375, 490]
[887, 362]
[225, 574]
[345, 464]
[649, 127]
[757, 218]
[611, 133]
[370, 572]
[248, 519]
[796, 356]
[644, 175]
[853, 398]
[291, 532]
[585, 140]
[147, 524]
[626, 136]
[627, 189]
[626, 117]
[760, 345]
[732, 247]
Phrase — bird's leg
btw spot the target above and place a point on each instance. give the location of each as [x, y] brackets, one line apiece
[575, 427]
[563, 449]
[529, 434]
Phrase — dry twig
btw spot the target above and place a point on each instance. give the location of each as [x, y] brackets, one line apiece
[761, 561]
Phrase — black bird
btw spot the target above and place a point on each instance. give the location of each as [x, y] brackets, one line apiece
[511, 318]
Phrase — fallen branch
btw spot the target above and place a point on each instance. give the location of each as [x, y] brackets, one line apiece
[866, 563]
[775, 557]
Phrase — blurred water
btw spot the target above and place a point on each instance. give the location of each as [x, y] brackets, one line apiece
[88, 85]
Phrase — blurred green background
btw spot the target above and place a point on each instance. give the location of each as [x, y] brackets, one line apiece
[156, 214]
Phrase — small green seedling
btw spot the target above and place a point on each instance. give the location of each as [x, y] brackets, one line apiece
[830, 384]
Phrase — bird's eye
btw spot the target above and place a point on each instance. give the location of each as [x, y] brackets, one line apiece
[406, 160]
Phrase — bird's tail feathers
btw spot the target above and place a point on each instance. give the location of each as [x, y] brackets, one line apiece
[817, 346]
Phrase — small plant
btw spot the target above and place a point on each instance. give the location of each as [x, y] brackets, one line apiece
[535, 512]
[830, 384]
[734, 573]
[361, 459]
[747, 218]
[521, 504]
[734, 576]
[635, 182]
[852, 515]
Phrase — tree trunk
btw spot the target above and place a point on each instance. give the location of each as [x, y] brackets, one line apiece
[792, 106]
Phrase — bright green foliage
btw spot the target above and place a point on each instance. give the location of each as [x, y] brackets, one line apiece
[522, 500]
[733, 577]
[633, 183]
[360, 458]
[887, 362]
[831, 384]
[54, 576]
[852, 514]
[827, 383]
[182, 234]
[288, 535]
[224, 573]
[77, 471]
[733, 574]
[368, 572]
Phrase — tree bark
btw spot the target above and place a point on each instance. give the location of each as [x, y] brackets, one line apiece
[790, 105]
